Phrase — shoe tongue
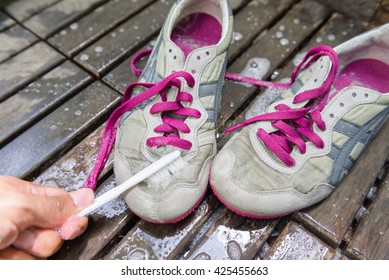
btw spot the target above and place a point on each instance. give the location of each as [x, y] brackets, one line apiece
[311, 78]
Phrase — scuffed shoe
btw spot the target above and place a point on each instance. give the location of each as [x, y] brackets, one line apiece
[298, 151]
[173, 106]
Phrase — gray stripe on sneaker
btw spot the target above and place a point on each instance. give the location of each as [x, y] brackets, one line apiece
[342, 161]
[346, 128]
[208, 89]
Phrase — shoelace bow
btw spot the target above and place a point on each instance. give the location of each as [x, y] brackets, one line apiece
[173, 115]
[293, 125]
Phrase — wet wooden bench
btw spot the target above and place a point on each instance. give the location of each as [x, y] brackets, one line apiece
[64, 66]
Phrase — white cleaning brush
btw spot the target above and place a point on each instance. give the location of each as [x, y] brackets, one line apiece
[165, 164]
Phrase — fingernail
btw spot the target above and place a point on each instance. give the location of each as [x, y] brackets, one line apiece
[73, 228]
[83, 197]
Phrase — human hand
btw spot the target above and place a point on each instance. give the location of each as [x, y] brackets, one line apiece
[35, 220]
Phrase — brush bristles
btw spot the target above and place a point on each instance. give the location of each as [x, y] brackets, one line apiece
[166, 173]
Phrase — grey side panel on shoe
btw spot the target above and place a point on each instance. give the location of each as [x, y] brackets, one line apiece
[342, 162]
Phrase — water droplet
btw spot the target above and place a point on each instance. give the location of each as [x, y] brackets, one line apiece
[99, 49]
[279, 34]
[63, 32]
[113, 34]
[282, 27]
[121, 30]
[136, 27]
[78, 113]
[237, 36]
[73, 26]
[296, 21]
[319, 40]
[66, 109]
[284, 41]
[331, 37]
[84, 57]
[274, 75]
[53, 127]
[232, 104]
[253, 65]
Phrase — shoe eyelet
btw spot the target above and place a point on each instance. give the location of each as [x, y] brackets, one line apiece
[170, 50]
[366, 95]
[354, 94]
[341, 105]
[315, 80]
[175, 57]
[332, 116]
[207, 53]
[198, 57]
[193, 71]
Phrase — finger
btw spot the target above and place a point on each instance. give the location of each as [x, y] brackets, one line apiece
[53, 211]
[73, 227]
[39, 242]
[11, 253]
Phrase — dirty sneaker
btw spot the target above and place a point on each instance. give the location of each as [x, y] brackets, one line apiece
[173, 106]
[298, 151]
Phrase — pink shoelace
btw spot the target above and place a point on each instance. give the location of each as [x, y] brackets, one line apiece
[292, 124]
[170, 126]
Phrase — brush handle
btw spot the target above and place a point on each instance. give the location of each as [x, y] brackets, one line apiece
[134, 180]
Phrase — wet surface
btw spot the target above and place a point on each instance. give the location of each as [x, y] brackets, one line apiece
[100, 56]
[232, 237]
[38, 98]
[22, 68]
[295, 243]
[37, 145]
[23, 9]
[54, 17]
[89, 28]
[13, 40]
[147, 241]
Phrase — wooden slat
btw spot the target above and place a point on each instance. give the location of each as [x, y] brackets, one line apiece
[232, 237]
[71, 171]
[295, 243]
[14, 40]
[359, 9]
[258, 15]
[332, 217]
[150, 241]
[40, 97]
[109, 50]
[26, 66]
[106, 227]
[60, 14]
[88, 29]
[56, 133]
[23, 9]
[309, 14]
[5, 21]
[371, 239]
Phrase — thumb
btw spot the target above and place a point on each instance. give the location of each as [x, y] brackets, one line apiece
[53, 211]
